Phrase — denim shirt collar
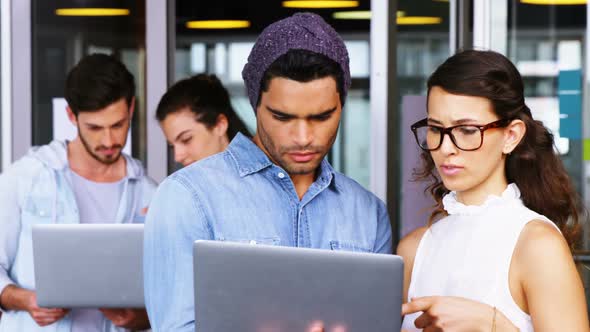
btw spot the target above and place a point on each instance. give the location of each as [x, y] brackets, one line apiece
[251, 159]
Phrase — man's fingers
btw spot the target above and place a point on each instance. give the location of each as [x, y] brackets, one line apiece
[339, 328]
[119, 317]
[113, 314]
[418, 304]
[316, 327]
[43, 314]
[51, 310]
[44, 319]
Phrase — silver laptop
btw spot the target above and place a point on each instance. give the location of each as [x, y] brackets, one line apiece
[89, 265]
[258, 288]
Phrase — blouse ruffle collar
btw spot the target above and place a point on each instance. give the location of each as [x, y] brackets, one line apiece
[453, 206]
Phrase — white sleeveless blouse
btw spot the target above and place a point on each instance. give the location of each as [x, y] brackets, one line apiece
[468, 253]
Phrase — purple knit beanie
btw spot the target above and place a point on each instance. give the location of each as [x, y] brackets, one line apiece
[305, 31]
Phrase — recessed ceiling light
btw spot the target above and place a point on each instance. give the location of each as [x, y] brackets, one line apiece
[353, 15]
[218, 24]
[401, 18]
[92, 12]
[359, 15]
[418, 20]
[321, 4]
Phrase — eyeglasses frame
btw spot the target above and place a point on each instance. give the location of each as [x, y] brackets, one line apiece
[447, 131]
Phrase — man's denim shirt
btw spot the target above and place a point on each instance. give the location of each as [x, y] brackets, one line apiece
[240, 195]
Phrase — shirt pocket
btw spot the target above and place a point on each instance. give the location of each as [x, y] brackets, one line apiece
[347, 246]
[40, 210]
[269, 241]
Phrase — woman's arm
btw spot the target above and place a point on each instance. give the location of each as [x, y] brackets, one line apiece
[545, 269]
[407, 249]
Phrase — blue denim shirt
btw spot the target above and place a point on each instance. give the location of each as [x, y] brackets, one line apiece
[35, 190]
[240, 195]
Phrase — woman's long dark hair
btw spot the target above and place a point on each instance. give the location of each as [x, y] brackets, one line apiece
[206, 97]
[533, 165]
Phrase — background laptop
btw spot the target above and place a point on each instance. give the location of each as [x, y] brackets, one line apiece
[243, 287]
[89, 265]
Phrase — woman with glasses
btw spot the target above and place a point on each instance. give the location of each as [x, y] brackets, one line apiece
[496, 254]
[197, 118]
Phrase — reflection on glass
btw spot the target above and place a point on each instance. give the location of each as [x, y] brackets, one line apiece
[59, 42]
[547, 44]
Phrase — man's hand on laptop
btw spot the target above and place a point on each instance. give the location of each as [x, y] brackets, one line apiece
[319, 327]
[135, 319]
[43, 316]
[20, 299]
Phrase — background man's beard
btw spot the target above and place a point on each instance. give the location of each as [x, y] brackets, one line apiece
[97, 157]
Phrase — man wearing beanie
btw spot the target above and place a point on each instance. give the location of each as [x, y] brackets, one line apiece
[276, 189]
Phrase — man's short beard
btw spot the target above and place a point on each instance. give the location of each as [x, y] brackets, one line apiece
[94, 155]
[276, 154]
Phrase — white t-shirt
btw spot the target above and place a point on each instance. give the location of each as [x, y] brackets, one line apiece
[98, 203]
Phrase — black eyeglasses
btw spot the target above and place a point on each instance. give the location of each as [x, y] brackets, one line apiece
[465, 137]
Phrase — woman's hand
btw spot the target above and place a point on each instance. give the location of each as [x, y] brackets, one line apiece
[446, 313]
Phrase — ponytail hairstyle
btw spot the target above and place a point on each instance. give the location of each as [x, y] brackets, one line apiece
[533, 165]
[206, 98]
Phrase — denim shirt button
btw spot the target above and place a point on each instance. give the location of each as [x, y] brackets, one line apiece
[281, 175]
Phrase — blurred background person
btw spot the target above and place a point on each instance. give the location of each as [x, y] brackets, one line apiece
[197, 118]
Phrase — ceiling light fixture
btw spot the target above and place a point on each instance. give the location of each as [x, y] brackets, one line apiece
[402, 19]
[353, 15]
[321, 4]
[418, 20]
[218, 24]
[92, 12]
[359, 15]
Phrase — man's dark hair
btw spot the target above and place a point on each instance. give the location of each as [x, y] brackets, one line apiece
[97, 81]
[304, 66]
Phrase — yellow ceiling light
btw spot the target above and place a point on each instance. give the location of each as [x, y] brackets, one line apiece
[418, 20]
[359, 15]
[218, 24]
[353, 15]
[321, 4]
[92, 12]
[554, 2]
[402, 19]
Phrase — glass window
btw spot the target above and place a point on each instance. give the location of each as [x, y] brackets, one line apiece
[421, 47]
[60, 38]
[547, 43]
[224, 53]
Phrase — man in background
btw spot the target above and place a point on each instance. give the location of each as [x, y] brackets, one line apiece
[87, 180]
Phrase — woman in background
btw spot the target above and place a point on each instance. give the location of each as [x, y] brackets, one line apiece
[498, 257]
[197, 118]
